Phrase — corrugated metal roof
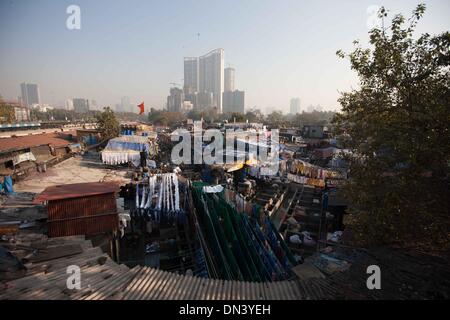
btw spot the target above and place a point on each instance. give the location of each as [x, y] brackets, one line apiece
[103, 279]
[76, 190]
[57, 139]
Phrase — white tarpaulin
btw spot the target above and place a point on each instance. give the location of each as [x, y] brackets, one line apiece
[28, 156]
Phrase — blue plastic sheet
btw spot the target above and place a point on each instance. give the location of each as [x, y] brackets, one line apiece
[127, 145]
[8, 183]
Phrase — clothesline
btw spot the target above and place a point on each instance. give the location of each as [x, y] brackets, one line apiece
[165, 187]
[118, 157]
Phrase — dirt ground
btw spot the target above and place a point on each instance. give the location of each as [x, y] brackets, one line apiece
[73, 170]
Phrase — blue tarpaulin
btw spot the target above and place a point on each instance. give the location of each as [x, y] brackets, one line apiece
[136, 143]
[8, 183]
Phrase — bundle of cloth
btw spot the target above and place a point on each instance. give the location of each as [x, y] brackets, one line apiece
[118, 157]
[163, 187]
[125, 149]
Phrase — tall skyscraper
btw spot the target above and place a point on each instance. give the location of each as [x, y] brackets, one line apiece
[229, 79]
[93, 105]
[190, 75]
[80, 105]
[175, 100]
[295, 106]
[203, 100]
[30, 94]
[233, 101]
[68, 104]
[125, 105]
[211, 75]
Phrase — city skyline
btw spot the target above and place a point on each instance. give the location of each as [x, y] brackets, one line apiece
[294, 56]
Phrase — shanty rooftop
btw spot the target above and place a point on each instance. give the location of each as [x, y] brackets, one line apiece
[56, 139]
[75, 190]
[73, 170]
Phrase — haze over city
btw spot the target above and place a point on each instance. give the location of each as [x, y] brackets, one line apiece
[280, 50]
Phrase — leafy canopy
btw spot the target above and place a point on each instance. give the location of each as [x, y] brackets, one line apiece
[108, 123]
[396, 123]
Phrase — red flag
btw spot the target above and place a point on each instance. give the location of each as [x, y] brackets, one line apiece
[141, 108]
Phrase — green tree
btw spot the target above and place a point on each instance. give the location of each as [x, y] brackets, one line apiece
[194, 115]
[7, 114]
[254, 115]
[276, 119]
[164, 118]
[397, 125]
[108, 123]
[321, 118]
[236, 116]
[157, 117]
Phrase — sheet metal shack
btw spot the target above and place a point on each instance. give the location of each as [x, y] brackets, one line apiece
[80, 208]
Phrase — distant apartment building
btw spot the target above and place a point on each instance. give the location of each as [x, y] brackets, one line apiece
[175, 100]
[233, 101]
[125, 105]
[203, 77]
[43, 107]
[93, 105]
[22, 114]
[203, 100]
[190, 76]
[30, 94]
[68, 104]
[187, 106]
[13, 112]
[229, 79]
[80, 105]
[211, 76]
[295, 106]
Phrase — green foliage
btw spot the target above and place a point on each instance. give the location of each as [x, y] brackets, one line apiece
[164, 118]
[236, 116]
[108, 123]
[277, 119]
[396, 124]
[254, 115]
[7, 114]
[320, 118]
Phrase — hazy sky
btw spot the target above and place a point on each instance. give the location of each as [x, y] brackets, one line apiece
[280, 49]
